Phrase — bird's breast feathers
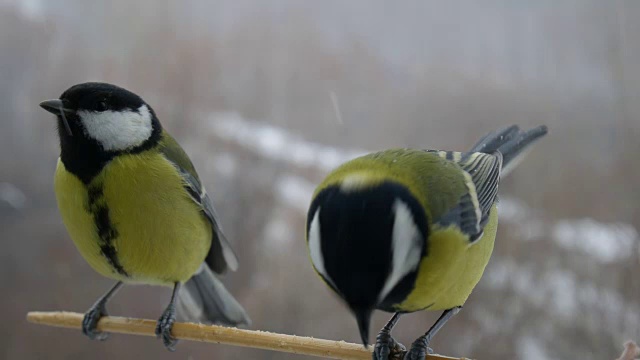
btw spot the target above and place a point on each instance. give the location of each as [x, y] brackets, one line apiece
[135, 221]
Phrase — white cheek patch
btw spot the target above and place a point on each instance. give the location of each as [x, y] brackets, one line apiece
[118, 130]
[315, 249]
[406, 244]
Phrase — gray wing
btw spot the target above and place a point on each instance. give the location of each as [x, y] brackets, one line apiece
[221, 247]
[483, 176]
[493, 156]
[220, 254]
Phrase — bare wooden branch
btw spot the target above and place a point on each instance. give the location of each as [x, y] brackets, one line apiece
[218, 334]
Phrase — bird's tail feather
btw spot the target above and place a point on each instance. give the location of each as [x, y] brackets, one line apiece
[512, 143]
[204, 299]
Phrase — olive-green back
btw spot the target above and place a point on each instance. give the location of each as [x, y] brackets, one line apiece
[436, 182]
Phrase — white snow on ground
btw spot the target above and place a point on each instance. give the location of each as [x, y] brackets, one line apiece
[278, 232]
[277, 143]
[295, 191]
[531, 348]
[12, 196]
[561, 293]
[607, 243]
[604, 242]
[226, 164]
[31, 9]
[513, 210]
[530, 225]
[556, 289]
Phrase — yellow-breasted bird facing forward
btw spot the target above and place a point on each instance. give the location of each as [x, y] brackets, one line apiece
[405, 230]
[135, 208]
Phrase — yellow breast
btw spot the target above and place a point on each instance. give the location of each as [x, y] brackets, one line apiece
[451, 269]
[138, 209]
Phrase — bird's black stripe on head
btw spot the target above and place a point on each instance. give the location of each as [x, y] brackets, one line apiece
[356, 229]
[106, 231]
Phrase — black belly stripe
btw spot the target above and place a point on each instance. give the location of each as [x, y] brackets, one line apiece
[106, 231]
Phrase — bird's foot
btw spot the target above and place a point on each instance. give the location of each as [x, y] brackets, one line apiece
[419, 349]
[163, 329]
[90, 322]
[387, 348]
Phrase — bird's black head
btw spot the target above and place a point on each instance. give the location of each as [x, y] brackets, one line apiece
[97, 121]
[366, 242]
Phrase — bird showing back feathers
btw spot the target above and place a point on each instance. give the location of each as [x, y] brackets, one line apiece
[404, 230]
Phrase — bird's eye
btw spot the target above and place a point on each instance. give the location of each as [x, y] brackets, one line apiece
[102, 105]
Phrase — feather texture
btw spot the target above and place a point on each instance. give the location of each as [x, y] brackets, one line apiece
[221, 255]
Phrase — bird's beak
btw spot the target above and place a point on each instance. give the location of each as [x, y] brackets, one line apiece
[54, 106]
[363, 317]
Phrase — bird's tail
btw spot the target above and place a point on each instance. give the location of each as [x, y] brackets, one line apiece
[204, 299]
[512, 143]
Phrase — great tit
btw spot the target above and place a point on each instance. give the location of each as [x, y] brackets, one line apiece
[404, 230]
[134, 206]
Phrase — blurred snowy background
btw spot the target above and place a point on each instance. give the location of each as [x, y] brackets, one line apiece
[267, 97]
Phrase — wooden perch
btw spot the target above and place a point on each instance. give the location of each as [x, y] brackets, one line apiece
[218, 334]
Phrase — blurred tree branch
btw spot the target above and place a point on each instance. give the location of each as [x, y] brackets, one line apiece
[631, 351]
[218, 334]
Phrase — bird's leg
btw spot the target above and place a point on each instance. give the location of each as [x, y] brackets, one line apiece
[95, 312]
[386, 347]
[165, 323]
[420, 348]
